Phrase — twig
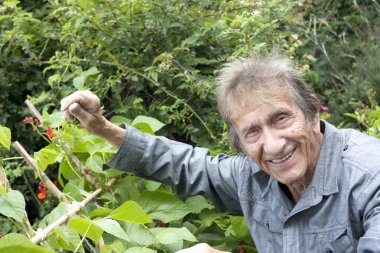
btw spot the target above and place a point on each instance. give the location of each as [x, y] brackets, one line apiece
[33, 109]
[49, 184]
[76, 207]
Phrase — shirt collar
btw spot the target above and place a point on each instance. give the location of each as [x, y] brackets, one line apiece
[325, 178]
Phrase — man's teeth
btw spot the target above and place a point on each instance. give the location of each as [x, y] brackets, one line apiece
[283, 158]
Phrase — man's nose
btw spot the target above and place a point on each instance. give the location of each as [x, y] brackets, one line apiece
[273, 143]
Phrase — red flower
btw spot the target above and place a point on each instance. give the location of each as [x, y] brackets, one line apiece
[36, 122]
[1, 234]
[28, 120]
[41, 195]
[43, 189]
[241, 248]
[50, 132]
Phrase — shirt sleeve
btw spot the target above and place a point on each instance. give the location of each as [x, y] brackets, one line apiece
[369, 201]
[190, 171]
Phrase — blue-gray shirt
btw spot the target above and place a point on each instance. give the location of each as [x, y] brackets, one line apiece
[338, 212]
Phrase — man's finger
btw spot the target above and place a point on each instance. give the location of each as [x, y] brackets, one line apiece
[81, 114]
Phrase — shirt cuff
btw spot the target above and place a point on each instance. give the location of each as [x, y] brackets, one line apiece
[131, 152]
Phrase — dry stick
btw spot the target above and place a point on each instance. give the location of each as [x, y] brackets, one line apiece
[63, 219]
[49, 184]
[33, 109]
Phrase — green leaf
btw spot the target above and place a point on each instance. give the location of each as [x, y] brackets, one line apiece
[73, 191]
[95, 163]
[119, 120]
[172, 235]
[130, 211]
[79, 81]
[5, 137]
[13, 205]
[19, 243]
[117, 246]
[67, 170]
[100, 212]
[65, 238]
[154, 124]
[53, 120]
[197, 203]
[46, 156]
[163, 206]
[144, 127]
[86, 227]
[112, 227]
[3, 192]
[152, 185]
[140, 250]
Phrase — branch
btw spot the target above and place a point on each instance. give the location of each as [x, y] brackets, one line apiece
[75, 208]
[49, 184]
[33, 109]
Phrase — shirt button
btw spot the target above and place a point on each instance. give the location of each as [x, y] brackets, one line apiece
[328, 250]
[345, 148]
[267, 224]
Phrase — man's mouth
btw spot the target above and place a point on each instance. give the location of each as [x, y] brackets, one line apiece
[284, 158]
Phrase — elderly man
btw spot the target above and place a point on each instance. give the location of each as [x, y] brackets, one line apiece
[302, 184]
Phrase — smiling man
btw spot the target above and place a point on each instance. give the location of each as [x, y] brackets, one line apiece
[302, 184]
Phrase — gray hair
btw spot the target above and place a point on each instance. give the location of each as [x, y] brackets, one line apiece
[261, 74]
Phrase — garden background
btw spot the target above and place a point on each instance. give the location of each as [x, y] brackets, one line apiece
[153, 64]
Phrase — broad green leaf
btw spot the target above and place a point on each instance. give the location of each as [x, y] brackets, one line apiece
[119, 120]
[46, 156]
[116, 247]
[172, 235]
[86, 227]
[53, 120]
[130, 211]
[140, 250]
[67, 170]
[139, 234]
[144, 127]
[5, 137]
[112, 227]
[239, 226]
[13, 205]
[65, 238]
[154, 124]
[198, 203]
[152, 185]
[100, 212]
[79, 81]
[163, 206]
[73, 191]
[19, 243]
[95, 163]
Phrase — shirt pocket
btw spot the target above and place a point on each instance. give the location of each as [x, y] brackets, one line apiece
[267, 230]
[337, 241]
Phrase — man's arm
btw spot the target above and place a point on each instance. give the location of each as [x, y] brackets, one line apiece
[369, 200]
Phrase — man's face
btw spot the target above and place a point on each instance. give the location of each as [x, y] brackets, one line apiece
[273, 131]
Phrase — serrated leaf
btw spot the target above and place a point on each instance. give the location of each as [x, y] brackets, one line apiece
[19, 243]
[172, 235]
[130, 211]
[112, 227]
[163, 206]
[95, 163]
[13, 205]
[140, 250]
[154, 124]
[86, 227]
[5, 137]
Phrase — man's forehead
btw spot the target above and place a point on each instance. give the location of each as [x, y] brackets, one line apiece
[255, 99]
